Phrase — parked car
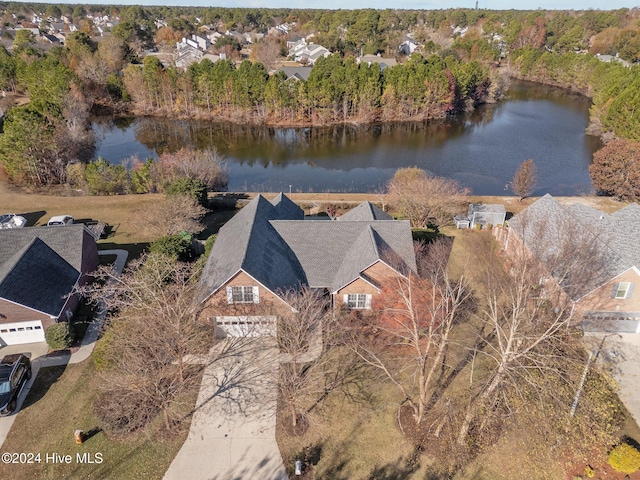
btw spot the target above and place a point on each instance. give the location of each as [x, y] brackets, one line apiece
[15, 371]
[60, 220]
[11, 220]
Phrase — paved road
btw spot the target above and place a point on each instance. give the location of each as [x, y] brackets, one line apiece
[37, 351]
[232, 435]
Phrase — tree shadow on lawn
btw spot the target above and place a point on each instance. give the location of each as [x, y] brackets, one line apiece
[47, 376]
[33, 217]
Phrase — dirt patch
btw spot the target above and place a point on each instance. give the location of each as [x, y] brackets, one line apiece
[301, 427]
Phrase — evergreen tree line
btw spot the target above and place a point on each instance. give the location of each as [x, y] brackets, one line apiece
[338, 90]
[613, 87]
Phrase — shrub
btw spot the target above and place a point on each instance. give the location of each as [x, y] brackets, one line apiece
[59, 336]
[589, 472]
[177, 247]
[191, 187]
[103, 178]
[625, 458]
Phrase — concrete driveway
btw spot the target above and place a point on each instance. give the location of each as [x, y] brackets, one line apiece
[232, 435]
[620, 355]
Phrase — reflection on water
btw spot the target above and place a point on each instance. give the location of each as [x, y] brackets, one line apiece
[481, 150]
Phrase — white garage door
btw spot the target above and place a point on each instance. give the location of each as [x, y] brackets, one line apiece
[21, 332]
[247, 326]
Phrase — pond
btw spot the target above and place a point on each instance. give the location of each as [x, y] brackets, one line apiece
[482, 150]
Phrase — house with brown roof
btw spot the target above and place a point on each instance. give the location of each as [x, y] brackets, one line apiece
[269, 249]
[590, 257]
[39, 269]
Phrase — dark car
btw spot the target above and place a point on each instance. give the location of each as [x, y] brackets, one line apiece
[15, 371]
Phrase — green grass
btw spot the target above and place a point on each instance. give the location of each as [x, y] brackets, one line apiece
[61, 402]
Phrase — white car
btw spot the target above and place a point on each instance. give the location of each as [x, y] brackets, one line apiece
[11, 220]
[60, 220]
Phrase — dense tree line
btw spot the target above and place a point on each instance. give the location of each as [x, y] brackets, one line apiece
[338, 90]
[453, 73]
[613, 87]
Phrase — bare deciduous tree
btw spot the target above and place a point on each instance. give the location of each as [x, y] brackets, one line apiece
[312, 363]
[151, 334]
[524, 181]
[299, 338]
[528, 311]
[174, 214]
[423, 198]
[204, 165]
[415, 317]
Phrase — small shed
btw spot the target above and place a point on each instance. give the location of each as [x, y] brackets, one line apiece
[484, 214]
[461, 221]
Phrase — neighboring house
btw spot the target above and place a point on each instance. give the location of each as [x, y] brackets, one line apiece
[603, 249]
[296, 73]
[268, 249]
[305, 52]
[611, 58]
[408, 46]
[383, 62]
[48, 38]
[195, 41]
[39, 269]
[193, 50]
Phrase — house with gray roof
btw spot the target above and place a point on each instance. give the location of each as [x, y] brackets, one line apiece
[592, 256]
[268, 249]
[39, 269]
[296, 73]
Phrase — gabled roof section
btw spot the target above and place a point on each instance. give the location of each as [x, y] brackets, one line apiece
[37, 277]
[67, 241]
[332, 251]
[365, 212]
[546, 227]
[363, 252]
[248, 242]
[287, 210]
[271, 242]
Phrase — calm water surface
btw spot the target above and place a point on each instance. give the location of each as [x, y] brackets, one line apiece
[481, 150]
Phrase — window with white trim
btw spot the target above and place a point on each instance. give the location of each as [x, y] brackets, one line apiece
[243, 294]
[358, 301]
[623, 289]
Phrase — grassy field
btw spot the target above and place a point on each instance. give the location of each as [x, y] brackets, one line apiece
[60, 402]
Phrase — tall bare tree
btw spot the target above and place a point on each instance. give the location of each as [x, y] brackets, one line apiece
[151, 334]
[528, 309]
[524, 181]
[423, 198]
[299, 338]
[415, 317]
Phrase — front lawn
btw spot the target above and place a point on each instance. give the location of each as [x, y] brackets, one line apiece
[59, 403]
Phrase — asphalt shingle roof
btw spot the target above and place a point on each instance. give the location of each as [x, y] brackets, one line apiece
[272, 243]
[37, 277]
[366, 211]
[546, 223]
[66, 241]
